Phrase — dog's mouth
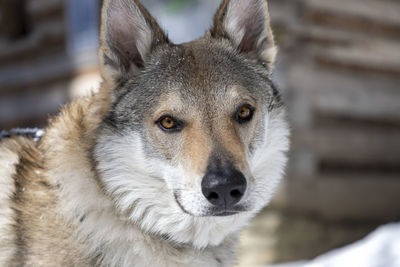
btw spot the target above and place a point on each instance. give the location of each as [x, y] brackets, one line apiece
[225, 213]
[222, 213]
[217, 212]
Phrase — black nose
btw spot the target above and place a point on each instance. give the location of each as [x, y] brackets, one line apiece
[224, 188]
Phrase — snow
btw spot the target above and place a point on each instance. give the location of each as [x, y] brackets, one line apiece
[381, 248]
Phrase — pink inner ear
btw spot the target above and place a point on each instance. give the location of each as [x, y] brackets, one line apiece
[249, 19]
[124, 23]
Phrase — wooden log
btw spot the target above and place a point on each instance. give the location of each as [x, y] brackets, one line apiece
[49, 37]
[368, 16]
[346, 94]
[370, 56]
[42, 11]
[350, 147]
[50, 69]
[32, 108]
[346, 197]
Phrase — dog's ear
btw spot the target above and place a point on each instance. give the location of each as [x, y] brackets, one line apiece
[246, 24]
[128, 35]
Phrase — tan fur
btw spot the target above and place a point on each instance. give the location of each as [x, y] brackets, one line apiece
[196, 141]
[229, 134]
[37, 226]
[8, 160]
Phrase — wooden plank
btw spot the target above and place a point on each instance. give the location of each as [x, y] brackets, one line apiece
[348, 146]
[46, 70]
[373, 10]
[33, 105]
[317, 35]
[345, 146]
[43, 11]
[47, 37]
[369, 55]
[346, 93]
[346, 197]
[35, 7]
[369, 16]
[349, 50]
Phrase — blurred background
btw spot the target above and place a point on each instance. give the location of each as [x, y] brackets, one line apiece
[339, 71]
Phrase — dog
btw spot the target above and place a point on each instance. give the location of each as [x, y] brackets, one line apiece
[166, 163]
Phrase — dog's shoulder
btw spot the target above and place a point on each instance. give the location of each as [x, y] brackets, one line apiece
[31, 215]
[9, 157]
[15, 152]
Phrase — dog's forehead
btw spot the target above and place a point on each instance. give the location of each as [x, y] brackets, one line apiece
[201, 70]
[197, 75]
[178, 102]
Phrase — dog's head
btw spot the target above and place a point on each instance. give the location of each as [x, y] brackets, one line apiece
[195, 140]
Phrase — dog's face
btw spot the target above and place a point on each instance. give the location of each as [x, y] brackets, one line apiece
[196, 134]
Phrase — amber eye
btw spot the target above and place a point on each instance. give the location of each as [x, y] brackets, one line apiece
[244, 113]
[169, 124]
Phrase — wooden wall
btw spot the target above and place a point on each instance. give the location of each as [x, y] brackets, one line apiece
[340, 70]
[35, 66]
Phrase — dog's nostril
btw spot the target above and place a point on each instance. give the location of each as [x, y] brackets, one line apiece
[212, 196]
[236, 194]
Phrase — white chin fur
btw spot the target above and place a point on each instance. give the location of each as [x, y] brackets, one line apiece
[140, 192]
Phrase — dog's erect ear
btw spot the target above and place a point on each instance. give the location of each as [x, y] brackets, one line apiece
[246, 24]
[128, 35]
